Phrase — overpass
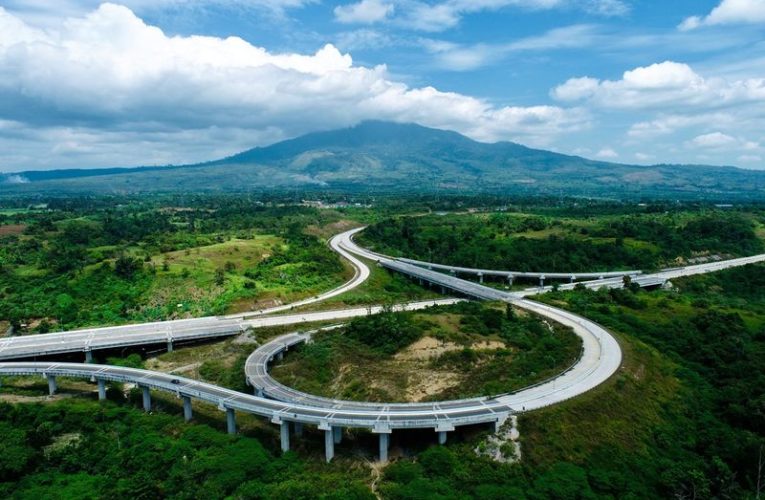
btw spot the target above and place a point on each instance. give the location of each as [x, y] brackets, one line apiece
[600, 358]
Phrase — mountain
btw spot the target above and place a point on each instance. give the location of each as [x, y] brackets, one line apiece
[388, 157]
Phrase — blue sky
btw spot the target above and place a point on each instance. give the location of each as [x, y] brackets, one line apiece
[84, 84]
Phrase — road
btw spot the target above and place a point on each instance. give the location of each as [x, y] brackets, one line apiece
[601, 357]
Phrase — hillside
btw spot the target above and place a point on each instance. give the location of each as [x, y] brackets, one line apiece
[388, 157]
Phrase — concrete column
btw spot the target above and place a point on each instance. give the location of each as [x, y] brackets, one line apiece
[187, 412]
[443, 290]
[298, 429]
[384, 443]
[441, 437]
[88, 356]
[285, 435]
[510, 281]
[329, 444]
[101, 389]
[230, 421]
[259, 392]
[541, 281]
[338, 434]
[280, 355]
[146, 398]
[51, 385]
[573, 278]
[169, 345]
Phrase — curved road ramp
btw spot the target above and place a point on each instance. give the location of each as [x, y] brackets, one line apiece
[290, 409]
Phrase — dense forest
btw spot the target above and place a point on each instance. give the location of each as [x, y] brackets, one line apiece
[522, 242]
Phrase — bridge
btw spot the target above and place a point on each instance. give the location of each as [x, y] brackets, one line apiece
[290, 409]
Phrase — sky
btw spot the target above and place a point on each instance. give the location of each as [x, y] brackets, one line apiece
[85, 84]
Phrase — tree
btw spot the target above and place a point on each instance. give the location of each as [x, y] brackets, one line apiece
[220, 277]
[126, 267]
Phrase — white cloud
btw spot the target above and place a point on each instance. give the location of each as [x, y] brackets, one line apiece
[457, 57]
[109, 82]
[607, 154]
[448, 14]
[364, 12]
[729, 12]
[714, 140]
[659, 85]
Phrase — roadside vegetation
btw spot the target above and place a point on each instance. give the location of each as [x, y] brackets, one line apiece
[80, 264]
[446, 352]
[528, 242]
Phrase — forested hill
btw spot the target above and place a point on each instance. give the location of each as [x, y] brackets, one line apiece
[387, 157]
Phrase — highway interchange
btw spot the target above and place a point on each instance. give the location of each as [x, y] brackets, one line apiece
[600, 358]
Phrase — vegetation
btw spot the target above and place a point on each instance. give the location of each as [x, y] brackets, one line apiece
[523, 242]
[465, 350]
[82, 449]
[82, 263]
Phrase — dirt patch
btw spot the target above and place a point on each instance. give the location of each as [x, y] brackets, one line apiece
[426, 348]
[10, 229]
[426, 383]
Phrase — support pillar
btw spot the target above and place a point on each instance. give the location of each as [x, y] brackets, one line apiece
[573, 278]
[146, 399]
[541, 281]
[443, 290]
[480, 277]
[187, 413]
[280, 355]
[259, 392]
[441, 437]
[384, 443]
[230, 421]
[298, 429]
[329, 444]
[88, 356]
[169, 345]
[285, 436]
[101, 389]
[337, 434]
[509, 281]
[51, 385]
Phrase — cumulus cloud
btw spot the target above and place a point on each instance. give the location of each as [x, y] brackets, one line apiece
[721, 141]
[110, 81]
[659, 85]
[364, 12]
[728, 12]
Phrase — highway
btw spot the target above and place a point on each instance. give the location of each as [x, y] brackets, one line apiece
[600, 359]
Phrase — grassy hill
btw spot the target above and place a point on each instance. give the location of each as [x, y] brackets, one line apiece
[388, 157]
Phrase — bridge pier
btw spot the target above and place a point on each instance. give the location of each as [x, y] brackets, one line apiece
[88, 356]
[259, 392]
[384, 445]
[230, 421]
[101, 389]
[285, 435]
[51, 385]
[298, 429]
[573, 278]
[541, 281]
[480, 277]
[337, 435]
[187, 412]
[329, 444]
[510, 280]
[146, 398]
[169, 345]
[441, 437]
[280, 355]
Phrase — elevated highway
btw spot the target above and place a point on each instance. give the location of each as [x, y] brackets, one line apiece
[601, 357]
